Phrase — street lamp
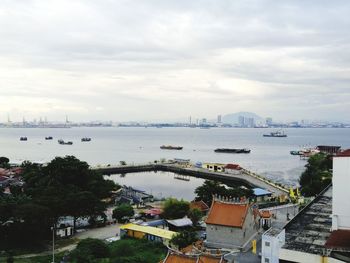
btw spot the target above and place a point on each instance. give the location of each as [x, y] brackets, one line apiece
[53, 243]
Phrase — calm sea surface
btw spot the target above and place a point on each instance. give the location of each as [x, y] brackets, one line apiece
[269, 156]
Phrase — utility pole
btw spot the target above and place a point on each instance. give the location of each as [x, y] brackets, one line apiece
[53, 243]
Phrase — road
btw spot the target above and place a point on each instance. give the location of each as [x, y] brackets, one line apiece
[98, 233]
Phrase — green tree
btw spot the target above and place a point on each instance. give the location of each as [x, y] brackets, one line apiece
[183, 239]
[174, 208]
[4, 162]
[210, 188]
[94, 247]
[123, 210]
[68, 187]
[317, 175]
[195, 215]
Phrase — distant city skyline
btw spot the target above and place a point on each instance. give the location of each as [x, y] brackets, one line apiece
[165, 60]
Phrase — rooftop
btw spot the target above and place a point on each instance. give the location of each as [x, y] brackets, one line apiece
[309, 230]
[175, 257]
[339, 240]
[227, 214]
[261, 192]
[150, 230]
[199, 205]
[182, 222]
[345, 153]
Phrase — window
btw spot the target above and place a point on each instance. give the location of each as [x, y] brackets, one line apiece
[267, 243]
[267, 260]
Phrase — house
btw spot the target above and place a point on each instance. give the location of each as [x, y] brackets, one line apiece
[200, 205]
[233, 169]
[147, 232]
[64, 231]
[272, 241]
[179, 224]
[261, 194]
[231, 225]
[215, 167]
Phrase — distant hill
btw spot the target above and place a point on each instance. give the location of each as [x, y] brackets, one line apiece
[233, 117]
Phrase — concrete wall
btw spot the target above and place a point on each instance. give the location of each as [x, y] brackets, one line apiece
[302, 257]
[341, 193]
[270, 247]
[231, 237]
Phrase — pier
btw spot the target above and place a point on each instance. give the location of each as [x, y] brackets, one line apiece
[247, 177]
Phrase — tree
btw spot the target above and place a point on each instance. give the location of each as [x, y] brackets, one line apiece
[184, 239]
[94, 247]
[174, 208]
[68, 187]
[317, 174]
[195, 215]
[210, 188]
[123, 210]
[4, 162]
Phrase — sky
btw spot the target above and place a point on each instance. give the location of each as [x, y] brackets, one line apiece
[165, 60]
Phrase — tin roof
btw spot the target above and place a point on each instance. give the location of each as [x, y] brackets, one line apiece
[182, 222]
[261, 192]
[150, 230]
[227, 214]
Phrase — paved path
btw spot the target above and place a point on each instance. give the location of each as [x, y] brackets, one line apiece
[98, 233]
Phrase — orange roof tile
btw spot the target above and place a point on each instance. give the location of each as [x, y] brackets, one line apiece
[227, 214]
[181, 258]
[345, 153]
[199, 205]
[265, 214]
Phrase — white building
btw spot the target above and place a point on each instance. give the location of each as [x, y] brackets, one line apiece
[272, 241]
[341, 193]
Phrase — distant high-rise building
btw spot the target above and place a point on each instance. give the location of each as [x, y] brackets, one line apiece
[268, 121]
[241, 121]
[204, 120]
[249, 122]
[219, 119]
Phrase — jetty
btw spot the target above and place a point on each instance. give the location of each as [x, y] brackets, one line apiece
[247, 177]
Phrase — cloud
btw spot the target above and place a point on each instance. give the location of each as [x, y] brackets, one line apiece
[164, 59]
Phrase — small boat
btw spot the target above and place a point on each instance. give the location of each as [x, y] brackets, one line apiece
[86, 139]
[48, 138]
[65, 143]
[228, 150]
[23, 138]
[169, 147]
[296, 153]
[278, 134]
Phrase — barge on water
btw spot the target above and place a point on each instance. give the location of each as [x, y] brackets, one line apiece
[170, 147]
[229, 150]
[277, 134]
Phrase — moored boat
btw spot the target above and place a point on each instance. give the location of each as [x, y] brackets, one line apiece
[48, 138]
[278, 134]
[85, 139]
[65, 143]
[23, 138]
[230, 150]
[170, 147]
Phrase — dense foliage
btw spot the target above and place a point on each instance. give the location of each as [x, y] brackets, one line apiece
[123, 251]
[195, 215]
[183, 239]
[174, 208]
[65, 187]
[123, 210]
[317, 176]
[210, 188]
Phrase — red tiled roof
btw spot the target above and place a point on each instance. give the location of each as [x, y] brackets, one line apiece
[345, 153]
[199, 205]
[339, 239]
[265, 214]
[233, 166]
[227, 214]
[181, 258]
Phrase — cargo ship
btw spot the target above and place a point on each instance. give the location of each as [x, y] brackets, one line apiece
[169, 147]
[229, 150]
[278, 134]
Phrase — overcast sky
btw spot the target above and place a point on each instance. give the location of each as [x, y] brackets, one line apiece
[146, 60]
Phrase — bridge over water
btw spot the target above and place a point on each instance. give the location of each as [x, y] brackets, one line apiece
[246, 177]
